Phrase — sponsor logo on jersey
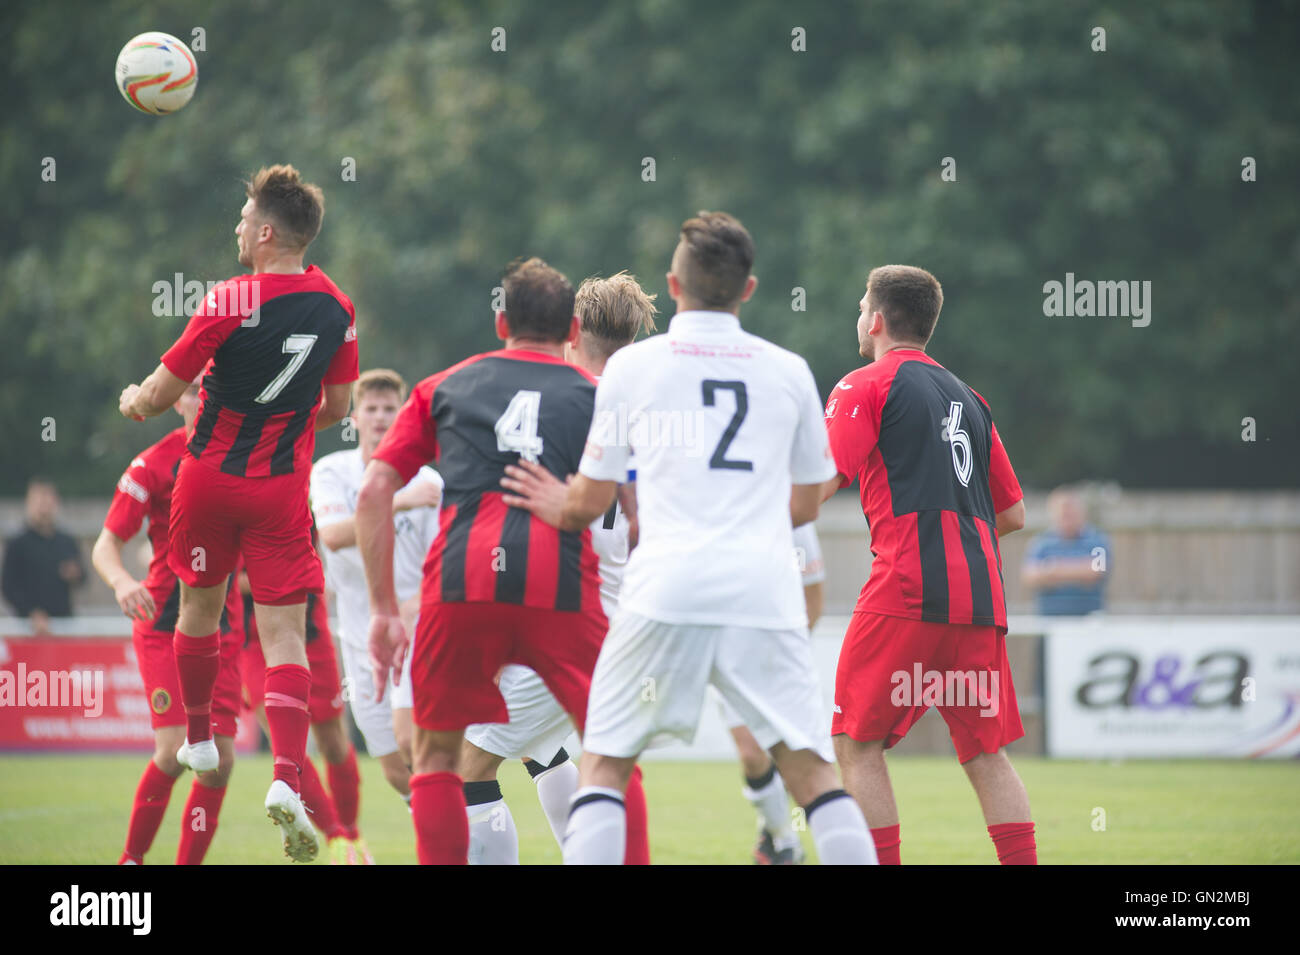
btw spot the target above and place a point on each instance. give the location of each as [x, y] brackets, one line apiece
[831, 406]
[845, 385]
[351, 334]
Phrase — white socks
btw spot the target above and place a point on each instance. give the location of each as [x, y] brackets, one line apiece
[555, 787]
[597, 829]
[773, 805]
[493, 839]
[839, 831]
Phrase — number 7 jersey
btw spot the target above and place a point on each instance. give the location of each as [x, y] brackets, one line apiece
[721, 423]
[273, 340]
[934, 476]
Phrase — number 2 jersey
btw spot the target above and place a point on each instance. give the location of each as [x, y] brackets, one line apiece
[933, 475]
[273, 339]
[721, 424]
[472, 420]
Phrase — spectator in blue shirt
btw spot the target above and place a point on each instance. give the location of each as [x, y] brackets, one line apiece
[1067, 565]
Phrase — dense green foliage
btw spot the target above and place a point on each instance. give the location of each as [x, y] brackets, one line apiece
[1117, 165]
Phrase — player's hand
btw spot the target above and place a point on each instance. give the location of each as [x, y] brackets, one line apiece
[420, 494]
[135, 600]
[536, 490]
[387, 651]
[127, 402]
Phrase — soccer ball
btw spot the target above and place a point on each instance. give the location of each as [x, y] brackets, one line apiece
[156, 73]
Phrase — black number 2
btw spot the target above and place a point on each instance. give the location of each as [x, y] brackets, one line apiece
[720, 459]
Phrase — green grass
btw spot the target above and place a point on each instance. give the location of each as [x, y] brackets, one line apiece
[73, 809]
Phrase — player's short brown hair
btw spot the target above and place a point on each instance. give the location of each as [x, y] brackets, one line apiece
[295, 208]
[539, 301]
[909, 298]
[716, 254]
[379, 379]
[613, 310]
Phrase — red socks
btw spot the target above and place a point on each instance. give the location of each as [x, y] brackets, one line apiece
[147, 812]
[345, 785]
[637, 851]
[318, 802]
[197, 661]
[288, 687]
[441, 822]
[1014, 842]
[199, 824]
[888, 843]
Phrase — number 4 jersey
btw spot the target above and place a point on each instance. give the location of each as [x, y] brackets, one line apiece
[721, 423]
[273, 340]
[934, 475]
[472, 420]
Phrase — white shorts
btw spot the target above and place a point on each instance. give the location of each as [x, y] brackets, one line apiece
[374, 719]
[538, 726]
[730, 718]
[651, 679]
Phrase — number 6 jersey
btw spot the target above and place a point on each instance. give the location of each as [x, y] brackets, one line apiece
[721, 423]
[934, 476]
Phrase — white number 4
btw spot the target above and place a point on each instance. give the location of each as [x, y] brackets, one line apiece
[297, 345]
[958, 439]
[517, 427]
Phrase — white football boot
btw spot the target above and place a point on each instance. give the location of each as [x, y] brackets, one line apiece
[202, 757]
[285, 807]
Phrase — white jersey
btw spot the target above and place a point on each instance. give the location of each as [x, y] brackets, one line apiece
[722, 423]
[335, 485]
[609, 541]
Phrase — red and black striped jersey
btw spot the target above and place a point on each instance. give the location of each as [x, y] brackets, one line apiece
[267, 344]
[934, 475]
[145, 491]
[472, 420]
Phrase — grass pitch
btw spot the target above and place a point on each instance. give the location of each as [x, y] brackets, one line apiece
[73, 809]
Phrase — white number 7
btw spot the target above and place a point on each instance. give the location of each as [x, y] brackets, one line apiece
[297, 345]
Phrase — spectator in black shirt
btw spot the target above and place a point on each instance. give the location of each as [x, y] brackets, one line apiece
[42, 564]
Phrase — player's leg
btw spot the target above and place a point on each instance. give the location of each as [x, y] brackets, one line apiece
[208, 791]
[286, 697]
[397, 766]
[197, 647]
[768, 678]
[326, 711]
[202, 809]
[984, 721]
[564, 649]
[872, 713]
[866, 777]
[376, 719]
[556, 782]
[152, 794]
[458, 650]
[778, 843]
[202, 551]
[536, 731]
[493, 839]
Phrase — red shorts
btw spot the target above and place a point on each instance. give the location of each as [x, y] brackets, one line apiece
[892, 670]
[162, 687]
[217, 516]
[461, 647]
[326, 701]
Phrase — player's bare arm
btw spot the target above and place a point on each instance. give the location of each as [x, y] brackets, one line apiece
[374, 527]
[334, 406]
[1012, 519]
[829, 488]
[568, 507]
[131, 595]
[153, 396]
[805, 503]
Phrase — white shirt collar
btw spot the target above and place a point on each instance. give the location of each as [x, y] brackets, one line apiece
[702, 320]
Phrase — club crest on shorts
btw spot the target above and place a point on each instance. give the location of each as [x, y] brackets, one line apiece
[160, 700]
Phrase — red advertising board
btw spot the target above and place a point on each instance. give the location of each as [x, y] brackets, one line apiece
[77, 693]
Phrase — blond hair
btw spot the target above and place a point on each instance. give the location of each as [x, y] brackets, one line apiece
[611, 311]
[379, 379]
